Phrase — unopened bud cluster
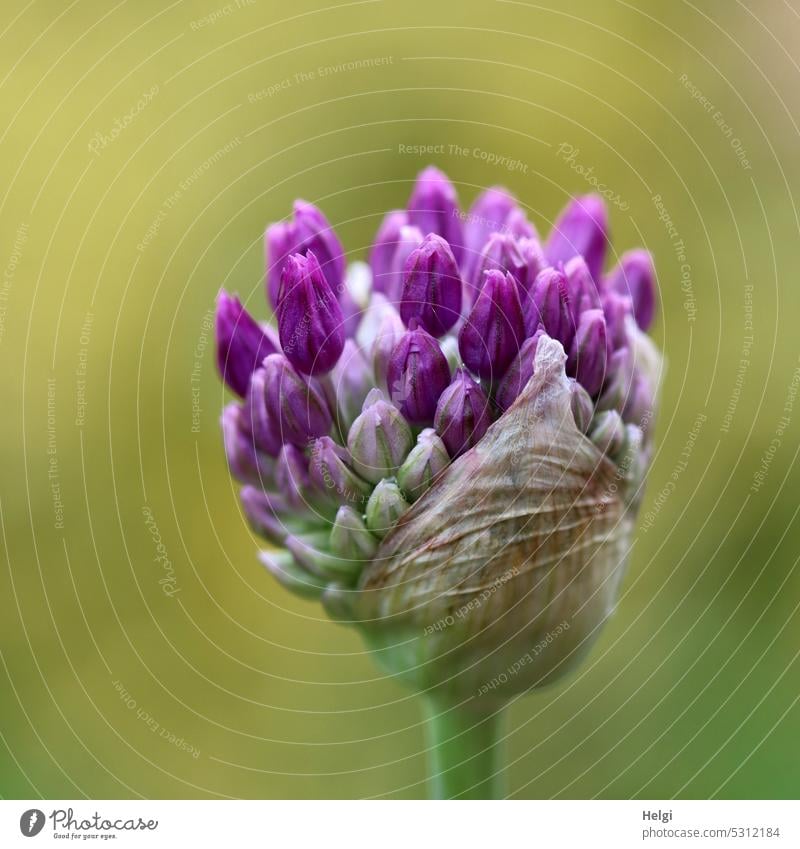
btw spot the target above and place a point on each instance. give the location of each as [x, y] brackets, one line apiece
[378, 377]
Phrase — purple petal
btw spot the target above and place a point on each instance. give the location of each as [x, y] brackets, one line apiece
[549, 305]
[299, 410]
[635, 276]
[431, 286]
[241, 343]
[582, 228]
[495, 329]
[588, 353]
[463, 414]
[310, 320]
[309, 230]
[433, 208]
[519, 372]
[417, 374]
[384, 247]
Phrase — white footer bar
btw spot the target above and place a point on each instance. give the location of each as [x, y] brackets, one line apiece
[386, 824]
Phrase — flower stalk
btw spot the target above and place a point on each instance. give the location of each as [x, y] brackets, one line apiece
[465, 747]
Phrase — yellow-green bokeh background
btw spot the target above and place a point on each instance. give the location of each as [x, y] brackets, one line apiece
[692, 690]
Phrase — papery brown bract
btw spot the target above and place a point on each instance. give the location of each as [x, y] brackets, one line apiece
[523, 536]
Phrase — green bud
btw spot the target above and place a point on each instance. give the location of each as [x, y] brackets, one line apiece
[379, 439]
[449, 346]
[350, 538]
[427, 460]
[283, 567]
[608, 432]
[313, 555]
[385, 506]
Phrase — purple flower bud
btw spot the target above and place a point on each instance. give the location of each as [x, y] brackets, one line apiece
[314, 233]
[463, 414]
[389, 332]
[350, 538]
[417, 374]
[292, 478]
[379, 439]
[487, 215]
[638, 407]
[332, 475]
[616, 308]
[582, 228]
[532, 254]
[619, 380]
[350, 382]
[310, 320]
[499, 253]
[258, 419]
[492, 334]
[385, 506]
[387, 239]
[518, 226]
[433, 207]
[519, 372]
[390, 282]
[582, 405]
[264, 514]
[431, 286]
[635, 276]
[247, 463]
[279, 242]
[587, 356]
[549, 305]
[608, 432]
[583, 291]
[426, 461]
[308, 231]
[241, 343]
[410, 239]
[271, 516]
[298, 408]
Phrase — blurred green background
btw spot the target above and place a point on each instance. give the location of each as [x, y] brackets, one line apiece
[145, 146]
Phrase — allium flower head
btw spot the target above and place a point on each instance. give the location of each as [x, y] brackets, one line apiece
[473, 435]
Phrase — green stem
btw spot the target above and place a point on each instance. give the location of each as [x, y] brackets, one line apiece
[464, 751]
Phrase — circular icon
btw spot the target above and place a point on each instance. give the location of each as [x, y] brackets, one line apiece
[31, 822]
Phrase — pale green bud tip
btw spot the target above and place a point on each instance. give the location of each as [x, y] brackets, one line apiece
[283, 567]
[350, 537]
[449, 346]
[427, 460]
[608, 433]
[385, 506]
[379, 439]
[310, 552]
